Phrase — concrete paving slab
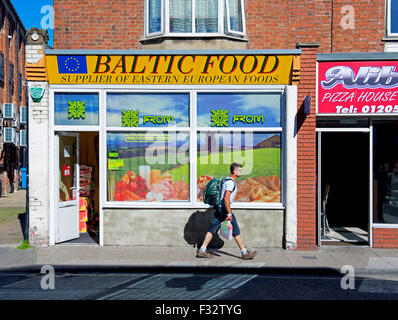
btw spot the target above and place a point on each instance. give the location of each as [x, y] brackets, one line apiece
[13, 200]
[276, 259]
[298, 258]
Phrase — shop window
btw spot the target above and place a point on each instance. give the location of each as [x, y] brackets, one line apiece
[153, 164]
[385, 173]
[195, 18]
[392, 21]
[217, 150]
[151, 110]
[239, 110]
[76, 109]
[260, 155]
[148, 166]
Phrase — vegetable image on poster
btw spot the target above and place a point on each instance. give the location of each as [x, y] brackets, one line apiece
[149, 167]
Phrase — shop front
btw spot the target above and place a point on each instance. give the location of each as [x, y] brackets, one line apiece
[357, 127]
[134, 137]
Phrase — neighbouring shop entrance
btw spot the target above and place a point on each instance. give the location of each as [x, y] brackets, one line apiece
[77, 185]
[343, 166]
[385, 168]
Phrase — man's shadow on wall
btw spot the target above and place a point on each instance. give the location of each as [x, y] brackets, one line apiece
[196, 228]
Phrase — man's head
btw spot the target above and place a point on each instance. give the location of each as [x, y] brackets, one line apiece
[236, 169]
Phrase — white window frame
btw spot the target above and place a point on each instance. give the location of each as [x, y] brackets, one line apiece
[223, 31]
[388, 18]
[193, 129]
[162, 15]
[243, 32]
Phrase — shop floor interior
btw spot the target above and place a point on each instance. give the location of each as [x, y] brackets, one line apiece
[345, 235]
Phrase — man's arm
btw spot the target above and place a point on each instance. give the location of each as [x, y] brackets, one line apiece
[227, 203]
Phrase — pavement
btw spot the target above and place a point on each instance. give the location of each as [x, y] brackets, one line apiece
[13, 200]
[364, 260]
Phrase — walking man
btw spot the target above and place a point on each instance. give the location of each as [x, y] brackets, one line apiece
[223, 212]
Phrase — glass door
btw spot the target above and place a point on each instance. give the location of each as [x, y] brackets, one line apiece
[67, 221]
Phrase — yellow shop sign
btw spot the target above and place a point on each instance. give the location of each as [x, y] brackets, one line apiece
[251, 69]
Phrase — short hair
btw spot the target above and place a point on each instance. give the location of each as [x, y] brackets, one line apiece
[235, 166]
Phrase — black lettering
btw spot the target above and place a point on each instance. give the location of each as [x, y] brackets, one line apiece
[276, 64]
[123, 66]
[106, 64]
[181, 62]
[233, 66]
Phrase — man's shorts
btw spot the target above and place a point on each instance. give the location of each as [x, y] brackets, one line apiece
[220, 214]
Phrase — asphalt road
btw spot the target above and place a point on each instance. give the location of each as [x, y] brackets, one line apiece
[189, 284]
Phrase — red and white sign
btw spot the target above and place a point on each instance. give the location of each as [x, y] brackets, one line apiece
[66, 171]
[358, 87]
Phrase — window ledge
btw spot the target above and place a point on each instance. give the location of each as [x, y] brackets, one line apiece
[192, 37]
[391, 38]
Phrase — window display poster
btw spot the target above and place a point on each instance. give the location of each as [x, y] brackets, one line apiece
[234, 110]
[148, 166]
[71, 109]
[152, 110]
[260, 155]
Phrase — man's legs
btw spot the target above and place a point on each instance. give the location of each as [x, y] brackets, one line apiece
[207, 240]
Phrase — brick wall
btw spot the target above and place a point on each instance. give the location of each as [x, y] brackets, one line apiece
[11, 48]
[98, 24]
[306, 152]
[275, 24]
[385, 238]
[270, 24]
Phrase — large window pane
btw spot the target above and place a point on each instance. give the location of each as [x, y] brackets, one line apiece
[147, 110]
[180, 16]
[239, 110]
[235, 15]
[152, 166]
[206, 16]
[260, 155]
[155, 15]
[76, 109]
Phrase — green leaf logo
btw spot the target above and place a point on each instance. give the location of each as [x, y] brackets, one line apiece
[130, 118]
[219, 118]
[77, 110]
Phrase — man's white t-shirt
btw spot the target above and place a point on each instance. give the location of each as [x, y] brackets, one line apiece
[229, 185]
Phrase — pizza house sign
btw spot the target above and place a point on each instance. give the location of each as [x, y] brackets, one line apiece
[358, 88]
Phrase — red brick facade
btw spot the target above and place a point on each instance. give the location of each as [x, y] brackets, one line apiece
[385, 238]
[306, 152]
[270, 24]
[12, 47]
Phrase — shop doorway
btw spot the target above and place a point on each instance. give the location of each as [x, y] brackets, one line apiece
[343, 208]
[77, 185]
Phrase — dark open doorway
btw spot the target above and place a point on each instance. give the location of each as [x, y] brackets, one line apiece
[345, 187]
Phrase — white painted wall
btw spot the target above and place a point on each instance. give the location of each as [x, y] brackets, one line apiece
[38, 158]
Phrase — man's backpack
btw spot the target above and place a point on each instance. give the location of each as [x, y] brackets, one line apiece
[212, 191]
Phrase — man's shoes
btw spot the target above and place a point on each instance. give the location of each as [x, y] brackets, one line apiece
[249, 255]
[205, 254]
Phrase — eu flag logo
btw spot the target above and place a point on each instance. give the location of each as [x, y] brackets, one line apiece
[72, 64]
